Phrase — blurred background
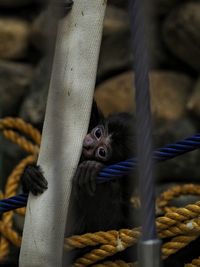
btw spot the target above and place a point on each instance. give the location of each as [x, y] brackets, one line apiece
[174, 76]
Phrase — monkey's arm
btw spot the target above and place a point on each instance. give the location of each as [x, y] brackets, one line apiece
[84, 180]
[85, 176]
[33, 180]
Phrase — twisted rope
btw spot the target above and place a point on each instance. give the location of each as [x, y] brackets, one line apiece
[175, 192]
[8, 234]
[194, 263]
[114, 264]
[123, 168]
[162, 154]
[182, 225]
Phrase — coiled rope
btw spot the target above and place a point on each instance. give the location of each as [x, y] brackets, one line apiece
[180, 225]
[122, 168]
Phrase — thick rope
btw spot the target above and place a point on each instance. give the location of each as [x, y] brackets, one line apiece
[22, 126]
[176, 244]
[163, 202]
[162, 154]
[181, 225]
[194, 263]
[114, 264]
[123, 168]
[8, 234]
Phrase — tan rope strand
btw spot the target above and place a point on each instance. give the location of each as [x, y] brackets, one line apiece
[8, 235]
[176, 244]
[188, 227]
[21, 211]
[21, 142]
[195, 263]
[95, 255]
[22, 126]
[181, 214]
[176, 191]
[110, 237]
[182, 224]
[4, 248]
[14, 178]
[114, 264]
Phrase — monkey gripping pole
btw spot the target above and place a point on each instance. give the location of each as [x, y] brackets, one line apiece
[66, 122]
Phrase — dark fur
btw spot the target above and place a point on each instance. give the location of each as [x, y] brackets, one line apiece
[109, 207]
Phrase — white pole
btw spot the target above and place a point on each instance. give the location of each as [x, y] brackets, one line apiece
[66, 122]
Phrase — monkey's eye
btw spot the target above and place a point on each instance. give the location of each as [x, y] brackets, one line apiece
[102, 152]
[98, 133]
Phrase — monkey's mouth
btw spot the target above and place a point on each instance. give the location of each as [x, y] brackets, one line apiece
[87, 153]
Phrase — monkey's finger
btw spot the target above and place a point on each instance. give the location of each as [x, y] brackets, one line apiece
[37, 190]
[93, 180]
[34, 169]
[83, 168]
[87, 181]
[35, 174]
[75, 181]
[35, 179]
[36, 187]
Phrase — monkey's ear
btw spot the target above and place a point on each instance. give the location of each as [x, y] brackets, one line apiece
[96, 116]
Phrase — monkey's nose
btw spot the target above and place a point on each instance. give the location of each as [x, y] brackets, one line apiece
[88, 141]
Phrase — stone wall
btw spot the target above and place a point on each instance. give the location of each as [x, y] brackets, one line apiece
[175, 75]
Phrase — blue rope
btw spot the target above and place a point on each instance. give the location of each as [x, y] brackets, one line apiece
[122, 168]
[13, 203]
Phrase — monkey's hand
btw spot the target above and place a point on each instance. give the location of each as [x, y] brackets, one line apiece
[85, 177]
[33, 180]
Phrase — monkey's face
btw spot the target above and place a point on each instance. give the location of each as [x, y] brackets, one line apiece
[97, 144]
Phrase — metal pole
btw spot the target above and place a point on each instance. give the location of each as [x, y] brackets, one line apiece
[149, 246]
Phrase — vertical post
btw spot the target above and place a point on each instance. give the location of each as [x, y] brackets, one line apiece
[149, 246]
[66, 121]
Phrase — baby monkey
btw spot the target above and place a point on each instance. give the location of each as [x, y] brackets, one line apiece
[94, 205]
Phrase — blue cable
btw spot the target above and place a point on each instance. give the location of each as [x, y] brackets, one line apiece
[116, 170]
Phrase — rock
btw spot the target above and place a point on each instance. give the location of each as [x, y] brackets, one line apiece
[119, 3]
[182, 168]
[15, 3]
[14, 35]
[116, 94]
[169, 94]
[161, 57]
[182, 35]
[115, 54]
[163, 7]
[43, 28]
[193, 104]
[40, 31]
[34, 104]
[15, 79]
[115, 20]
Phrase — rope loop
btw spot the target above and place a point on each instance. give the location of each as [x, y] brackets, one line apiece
[180, 225]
